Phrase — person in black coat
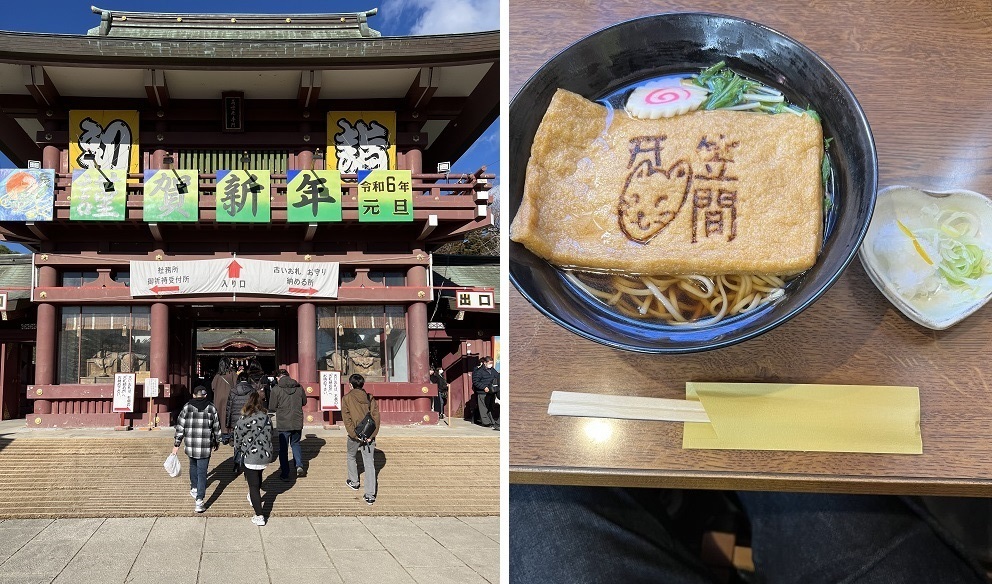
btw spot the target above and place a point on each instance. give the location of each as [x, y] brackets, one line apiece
[437, 377]
[485, 383]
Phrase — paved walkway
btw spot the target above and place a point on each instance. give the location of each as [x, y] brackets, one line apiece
[291, 550]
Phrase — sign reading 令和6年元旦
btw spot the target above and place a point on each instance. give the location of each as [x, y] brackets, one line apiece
[235, 276]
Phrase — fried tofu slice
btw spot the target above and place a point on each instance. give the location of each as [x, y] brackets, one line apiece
[709, 192]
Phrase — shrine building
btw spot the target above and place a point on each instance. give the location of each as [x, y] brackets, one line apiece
[263, 189]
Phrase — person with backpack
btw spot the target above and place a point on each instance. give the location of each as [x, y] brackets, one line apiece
[248, 383]
[199, 425]
[253, 438]
[287, 399]
[355, 406]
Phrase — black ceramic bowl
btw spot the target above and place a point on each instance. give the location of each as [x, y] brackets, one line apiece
[648, 47]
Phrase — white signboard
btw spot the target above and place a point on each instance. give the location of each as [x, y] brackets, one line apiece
[151, 387]
[472, 299]
[3, 301]
[235, 276]
[330, 391]
[124, 392]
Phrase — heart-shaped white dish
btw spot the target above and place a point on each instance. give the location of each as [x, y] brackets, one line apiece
[900, 208]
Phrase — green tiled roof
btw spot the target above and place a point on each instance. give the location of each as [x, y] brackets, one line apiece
[15, 272]
[467, 271]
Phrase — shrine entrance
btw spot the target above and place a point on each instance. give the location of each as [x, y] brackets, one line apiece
[242, 346]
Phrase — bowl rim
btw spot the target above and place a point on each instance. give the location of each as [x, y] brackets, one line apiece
[772, 323]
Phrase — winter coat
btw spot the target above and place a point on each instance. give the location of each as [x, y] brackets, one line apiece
[237, 400]
[253, 436]
[485, 377]
[199, 424]
[286, 399]
[442, 383]
[222, 386]
[354, 406]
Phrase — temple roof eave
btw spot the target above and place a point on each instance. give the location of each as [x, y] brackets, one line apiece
[96, 51]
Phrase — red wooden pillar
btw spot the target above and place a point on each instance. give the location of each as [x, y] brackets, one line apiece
[306, 340]
[51, 158]
[417, 312]
[45, 342]
[158, 159]
[416, 318]
[304, 160]
[159, 359]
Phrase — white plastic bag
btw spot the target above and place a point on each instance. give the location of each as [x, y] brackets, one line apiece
[172, 465]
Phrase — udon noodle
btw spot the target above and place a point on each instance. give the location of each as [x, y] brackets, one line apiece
[681, 300]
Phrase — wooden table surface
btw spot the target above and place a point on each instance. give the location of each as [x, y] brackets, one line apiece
[922, 71]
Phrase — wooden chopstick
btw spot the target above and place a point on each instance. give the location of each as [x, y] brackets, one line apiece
[592, 405]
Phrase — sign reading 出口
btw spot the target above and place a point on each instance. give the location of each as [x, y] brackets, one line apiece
[235, 276]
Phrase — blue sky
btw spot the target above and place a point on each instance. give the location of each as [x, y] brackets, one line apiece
[395, 18]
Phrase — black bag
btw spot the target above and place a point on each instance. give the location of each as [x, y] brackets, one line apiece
[239, 459]
[366, 426]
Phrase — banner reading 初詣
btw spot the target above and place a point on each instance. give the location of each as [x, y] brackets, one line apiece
[361, 141]
[111, 136]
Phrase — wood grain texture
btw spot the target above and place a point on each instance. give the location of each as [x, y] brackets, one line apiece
[921, 72]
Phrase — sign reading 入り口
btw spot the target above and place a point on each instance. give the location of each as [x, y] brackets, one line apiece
[313, 196]
[123, 392]
[171, 195]
[330, 391]
[474, 299]
[151, 387]
[243, 196]
[361, 141]
[385, 195]
[110, 135]
[98, 195]
[27, 195]
[235, 276]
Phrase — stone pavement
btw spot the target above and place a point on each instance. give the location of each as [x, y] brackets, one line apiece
[291, 550]
[422, 471]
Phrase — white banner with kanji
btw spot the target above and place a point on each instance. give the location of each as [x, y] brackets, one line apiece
[330, 391]
[123, 392]
[235, 276]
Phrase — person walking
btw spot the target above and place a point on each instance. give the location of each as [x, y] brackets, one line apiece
[199, 425]
[437, 377]
[248, 383]
[286, 399]
[354, 406]
[222, 384]
[253, 437]
[485, 383]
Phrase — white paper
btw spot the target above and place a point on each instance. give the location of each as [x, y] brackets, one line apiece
[330, 391]
[124, 392]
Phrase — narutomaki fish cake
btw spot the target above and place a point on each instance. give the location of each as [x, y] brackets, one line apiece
[709, 192]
